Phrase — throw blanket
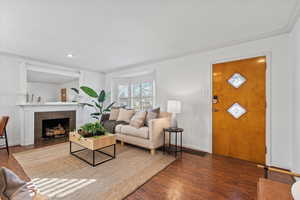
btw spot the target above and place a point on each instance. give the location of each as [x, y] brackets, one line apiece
[110, 125]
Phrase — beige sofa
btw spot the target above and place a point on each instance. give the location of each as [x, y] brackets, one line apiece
[150, 137]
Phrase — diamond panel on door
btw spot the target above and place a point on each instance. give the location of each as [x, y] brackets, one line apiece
[236, 110]
[237, 80]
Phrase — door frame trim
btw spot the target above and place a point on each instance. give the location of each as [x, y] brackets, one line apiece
[268, 135]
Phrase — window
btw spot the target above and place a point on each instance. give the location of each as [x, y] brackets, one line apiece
[123, 95]
[138, 95]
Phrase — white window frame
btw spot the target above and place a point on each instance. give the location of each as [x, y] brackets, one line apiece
[141, 97]
[130, 82]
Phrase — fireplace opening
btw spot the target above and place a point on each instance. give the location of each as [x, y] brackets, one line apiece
[51, 125]
[52, 128]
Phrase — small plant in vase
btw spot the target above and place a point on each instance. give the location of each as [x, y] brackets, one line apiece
[91, 130]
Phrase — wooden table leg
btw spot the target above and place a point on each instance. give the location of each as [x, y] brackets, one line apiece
[181, 144]
[176, 144]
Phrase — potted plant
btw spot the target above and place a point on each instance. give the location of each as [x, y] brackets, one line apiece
[91, 130]
[97, 102]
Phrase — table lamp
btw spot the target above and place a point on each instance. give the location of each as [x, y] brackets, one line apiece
[174, 107]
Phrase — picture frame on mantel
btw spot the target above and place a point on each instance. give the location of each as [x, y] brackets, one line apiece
[63, 95]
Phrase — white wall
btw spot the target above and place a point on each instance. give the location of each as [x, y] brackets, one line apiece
[9, 87]
[295, 63]
[47, 91]
[189, 80]
[50, 92]
[11, 92]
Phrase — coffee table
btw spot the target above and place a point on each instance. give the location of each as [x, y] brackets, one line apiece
[94, 144]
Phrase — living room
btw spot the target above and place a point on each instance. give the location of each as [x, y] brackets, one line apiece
[57, 57]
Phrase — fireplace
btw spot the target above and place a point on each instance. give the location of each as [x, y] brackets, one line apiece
[52, 128]
[50, 125]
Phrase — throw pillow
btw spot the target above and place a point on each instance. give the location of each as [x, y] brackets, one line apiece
[152, 114]
[114, 113]
[138, 120]
[125, 115]
[12, 187]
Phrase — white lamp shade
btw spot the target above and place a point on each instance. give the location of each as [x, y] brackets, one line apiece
[174, 106]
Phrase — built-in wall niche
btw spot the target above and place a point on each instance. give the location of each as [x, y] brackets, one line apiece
[44, 86]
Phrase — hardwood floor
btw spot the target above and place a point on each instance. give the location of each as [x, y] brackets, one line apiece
[209, 177]
[191, 177]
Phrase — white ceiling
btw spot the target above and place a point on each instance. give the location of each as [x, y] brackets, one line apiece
[42, 77]
[104, 35]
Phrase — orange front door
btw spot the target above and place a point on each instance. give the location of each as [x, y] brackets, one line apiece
[239, 109]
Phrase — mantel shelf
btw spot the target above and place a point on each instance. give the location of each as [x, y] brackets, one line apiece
[50, 104]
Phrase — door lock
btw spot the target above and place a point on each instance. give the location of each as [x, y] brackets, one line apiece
[215, 99]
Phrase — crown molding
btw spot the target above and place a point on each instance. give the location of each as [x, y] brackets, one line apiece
[293, 17]
[198, 51]
[284, 30]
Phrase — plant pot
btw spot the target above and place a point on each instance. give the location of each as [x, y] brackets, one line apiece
[85, 134]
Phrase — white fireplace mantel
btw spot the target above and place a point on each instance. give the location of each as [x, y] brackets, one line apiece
[27, 117]
[48, 104]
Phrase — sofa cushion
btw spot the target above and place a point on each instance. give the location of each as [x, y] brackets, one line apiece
[125, 115]
[142, 132]
[114, 113]
[152, 114]
[118, 128]
[138, 119]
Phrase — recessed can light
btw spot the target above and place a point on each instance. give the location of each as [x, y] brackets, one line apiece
[70, 55]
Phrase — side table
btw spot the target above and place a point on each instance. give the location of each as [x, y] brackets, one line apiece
[173, 148]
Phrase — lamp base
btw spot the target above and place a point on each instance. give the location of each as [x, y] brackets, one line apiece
[174, 121]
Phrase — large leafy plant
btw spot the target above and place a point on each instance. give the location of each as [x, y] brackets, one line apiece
[76, 91]
[98, 100]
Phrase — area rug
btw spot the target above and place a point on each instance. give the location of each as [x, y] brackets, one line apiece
[59, 175]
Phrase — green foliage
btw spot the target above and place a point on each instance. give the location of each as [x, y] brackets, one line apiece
[98, 100]
[93, 128]
[108, 108]
[89, 91]
[87, 104]
[75, 90]
[101, 97]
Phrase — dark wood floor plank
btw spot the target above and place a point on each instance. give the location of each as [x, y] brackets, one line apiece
[191, 177]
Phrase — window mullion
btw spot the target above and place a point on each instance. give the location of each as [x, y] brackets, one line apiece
[153, 93]
[130, 87]
[141, 103]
